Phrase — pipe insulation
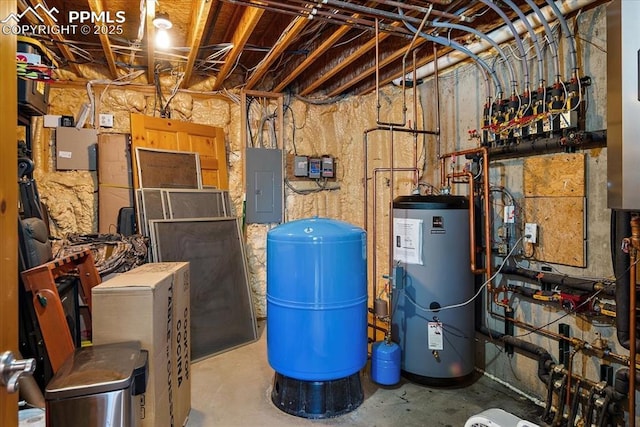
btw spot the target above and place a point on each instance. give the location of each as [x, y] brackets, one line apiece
[501, 35]
[552, 280]
[620, 229]
[545, 361]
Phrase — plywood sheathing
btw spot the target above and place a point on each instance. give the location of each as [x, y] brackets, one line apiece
[558, 175]
[554, 188]
[335, 129]
[560, 229]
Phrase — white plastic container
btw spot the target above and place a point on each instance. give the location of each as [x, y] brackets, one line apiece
[495, 417]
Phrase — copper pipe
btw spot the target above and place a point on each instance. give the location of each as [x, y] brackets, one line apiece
[404, 68]
[415, 96]
[374, 266]
[312, 13]
[376, 13]
[569, 374]
[384, 14]
[366, 196]
[328, 17]
[436, 88]
[633, 259]
[472, 221]
[574, 342]
[390, 208]
[487, 208]
[365, 160]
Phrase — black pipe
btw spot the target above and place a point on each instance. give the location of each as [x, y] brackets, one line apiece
[557, 419]
[553, 280]
[569, 143]
[590, 405]
[573, 412]
[509, 328]
[603, 417]
[620, 229]
[620, 389]
[545, 361]
[549, 400]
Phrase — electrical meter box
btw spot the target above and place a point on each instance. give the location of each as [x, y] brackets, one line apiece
[315, 168]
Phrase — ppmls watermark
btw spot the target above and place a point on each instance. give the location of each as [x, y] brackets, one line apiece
[78, 22]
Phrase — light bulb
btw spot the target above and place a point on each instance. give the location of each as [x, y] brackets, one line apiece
[163, 41]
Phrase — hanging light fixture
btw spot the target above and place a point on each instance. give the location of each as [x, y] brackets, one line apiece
[162, 24]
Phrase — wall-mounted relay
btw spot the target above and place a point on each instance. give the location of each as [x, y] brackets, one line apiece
[300, 166]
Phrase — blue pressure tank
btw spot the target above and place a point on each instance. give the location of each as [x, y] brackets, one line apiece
[385, 363]
[316, 315]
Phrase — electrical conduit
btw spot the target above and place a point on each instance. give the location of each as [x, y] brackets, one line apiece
[551, 39]
[500, 35]
[457, 46]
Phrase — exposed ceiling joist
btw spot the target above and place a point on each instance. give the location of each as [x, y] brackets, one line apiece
[286, 38]
[150, 36]
[247, 23]
[97, 8]
[344, 63]
[199, 18]
[60, 41]
[319, 48]
[317, 53]
[369, 71]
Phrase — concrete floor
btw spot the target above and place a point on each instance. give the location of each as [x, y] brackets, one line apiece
[233, 389]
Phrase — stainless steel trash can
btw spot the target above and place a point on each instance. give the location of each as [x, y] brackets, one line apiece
[99, 386]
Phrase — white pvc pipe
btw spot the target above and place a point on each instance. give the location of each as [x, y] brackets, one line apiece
[501, 35]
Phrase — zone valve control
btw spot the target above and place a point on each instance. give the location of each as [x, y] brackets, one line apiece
[315, 168]
[327, 167]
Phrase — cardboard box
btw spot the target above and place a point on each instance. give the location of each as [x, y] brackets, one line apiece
[114, 160]
[76, 148]
[151, 304]
[115, 189]
[110, 200]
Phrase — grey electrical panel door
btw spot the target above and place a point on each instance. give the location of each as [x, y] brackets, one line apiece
[264, 185]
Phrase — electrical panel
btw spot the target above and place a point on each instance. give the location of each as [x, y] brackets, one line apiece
[264, 185]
